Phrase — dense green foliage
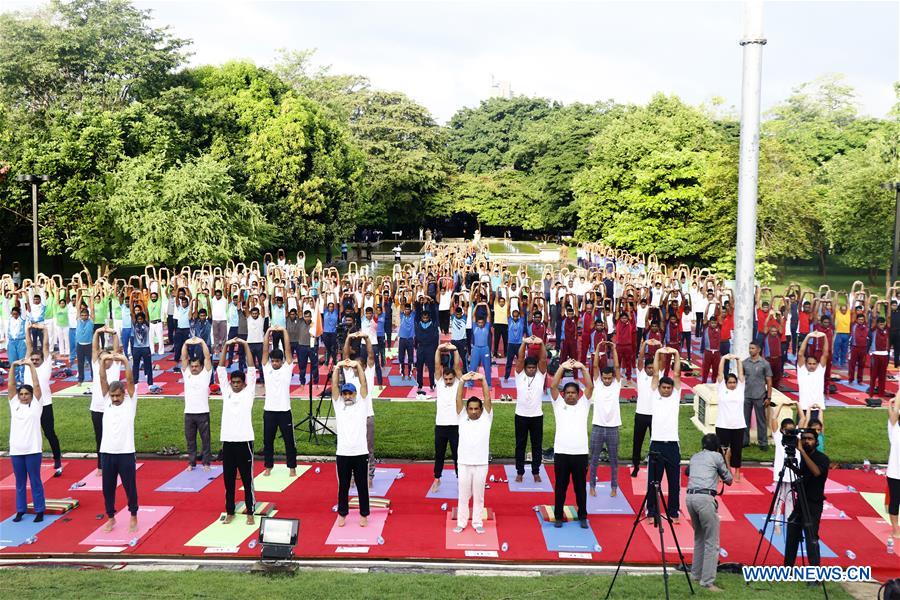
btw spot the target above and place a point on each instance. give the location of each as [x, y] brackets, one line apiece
[151, 160]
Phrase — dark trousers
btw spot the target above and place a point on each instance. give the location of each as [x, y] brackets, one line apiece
[526, 427]
[444, 435]
[642, 424]
[777, 365]
[355, 467]
[83, 356]
[115, 467]
[574, 467]
[306, 354]
[278, 341]
[463, 348]
[444, 320]
[425, 357]
[237, 457]
[256, 353]
[877, 374]
[405, 354]
[698, 324]
[229, 355]
[181, 336]
[329, 340]
[274, 421]
[102, 335]
[49, 429]
[141, 358]
[795, 531]
[686, 343]
[670, 462]
[757, 406]
[37, 338]
[195, 423]
[511, 351]
[857, 364]
[895, 346]
[97, 422]
[364, 357]
[732, 439]
[501, 330]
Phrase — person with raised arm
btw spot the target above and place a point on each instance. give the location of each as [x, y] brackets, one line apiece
[893, 467]
[195, 371]
[474, 417]
[730, 420]
[665, 453]
[811, 377]
[25, 442]
[351, 456]
[101, 359]
[531, 374]
[43, 366]
[117, 452]
[607, 418]
[446, 422]
[278, 370]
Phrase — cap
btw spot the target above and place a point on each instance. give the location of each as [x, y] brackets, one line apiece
[348, 387]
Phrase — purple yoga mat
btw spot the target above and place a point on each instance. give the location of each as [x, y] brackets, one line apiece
[381, 483]
[191, 481]
[449, 489]
[528, 483]
[603, 504]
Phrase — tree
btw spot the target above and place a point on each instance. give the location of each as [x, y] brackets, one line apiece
[503, 198]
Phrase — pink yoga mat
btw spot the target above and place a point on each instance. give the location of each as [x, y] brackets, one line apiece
[94, 482]
[468, 539]
[683, 530]
[831, 487]
[741, 487]
[148, 516]
[9, 482]
[880, 528]
[351, 534]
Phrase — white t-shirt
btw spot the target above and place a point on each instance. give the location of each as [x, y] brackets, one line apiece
[687, 322]
[530, 394]
[351, 427]
[118, 426]
[43, 372]
[25, 428]
[446, 403]
[255, 330]
[644, 393]
[237, 408]
[811, 387]
[571, 426]
[641, 315]
[350, 377]
[278, 387]
[98, 402]
[474, 438]
[196, 392]
[778, 463]
[665, 417]
[731, 406]
[606, 403]
[218, 308]
[893, 468]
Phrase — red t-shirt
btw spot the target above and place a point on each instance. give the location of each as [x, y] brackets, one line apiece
[727, 326]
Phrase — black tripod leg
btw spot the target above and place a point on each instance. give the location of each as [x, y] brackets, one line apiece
[769, 517]
[662, 501]
[637, 519]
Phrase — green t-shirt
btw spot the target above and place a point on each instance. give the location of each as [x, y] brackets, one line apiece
[52, 307]
[154, 307]
[101, 311]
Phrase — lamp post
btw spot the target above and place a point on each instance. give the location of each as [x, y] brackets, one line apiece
[895, 185]
[34, 180]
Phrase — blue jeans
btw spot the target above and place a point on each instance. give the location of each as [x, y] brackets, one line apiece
[28, 466]
[126, 341]
[73, 346]
[16, 351]
[841, 348]
[481, 355]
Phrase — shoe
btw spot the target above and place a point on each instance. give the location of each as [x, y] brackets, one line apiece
[39, 517]
[584, 524]
[557, 524]
[478, 528]
[18, 517]
[713, 588]
[634, 471]
[58, 472]
[457, 529]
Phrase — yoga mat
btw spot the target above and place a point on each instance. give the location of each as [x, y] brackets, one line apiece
[142, 389]
[467, 539]
[351, 534]
[831, 487]
[778, 539]
[639, 483]
[16, 534]
[398, 381]
[148, 516]
[683, 530]
[191, 481]
[449, 489]
[832, 513]
[279, 480]
[742, 487]
[876, 501]
[47, 470]
[75, 390]
[881, 529]
[603, 504]
[528, 483]
[568, 538]
[220, 535]
[94, 482]
[381, 483]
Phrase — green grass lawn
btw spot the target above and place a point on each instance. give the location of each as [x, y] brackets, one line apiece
[406, 429]
[40, 583]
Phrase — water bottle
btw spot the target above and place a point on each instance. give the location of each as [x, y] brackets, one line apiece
[491, 478]
[890, 545]
[401, 475]
[380, 541]
[318, 470]
[723, 552]
[132, 542]
[850, 554]
[504, 547]
[850, 488]
[31, 540]
[252, 544]
[598, 548]
[843, 515]
[444, 506]
[867, 466]
[536, 508]
[334, 508]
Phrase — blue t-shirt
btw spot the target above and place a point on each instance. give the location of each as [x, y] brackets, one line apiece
[84, 331]
[457, 328]
[407, 325]
[480, 335]
[516, 330]
[182, 317]
[329, 320]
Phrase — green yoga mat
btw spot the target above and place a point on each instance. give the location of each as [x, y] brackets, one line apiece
[77, 389]
[279, 480]
[220, 535]
[876, 501]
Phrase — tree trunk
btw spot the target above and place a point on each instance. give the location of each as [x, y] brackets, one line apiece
[871, 276]
[821, 252]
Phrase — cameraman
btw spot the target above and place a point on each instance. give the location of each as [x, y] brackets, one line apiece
[704, 471]
[813, 473]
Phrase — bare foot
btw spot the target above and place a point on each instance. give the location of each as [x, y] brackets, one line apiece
[435, 485]
[593, 491]
[292, 473]
[371, 481]
[189, 468]
[250, 520]
[228, 519]
[109, 525]
[342, 521]
[132, 524]
[613, 492]
[676, 521]
[267, 472]
[99, 472]
[518, 478]
[364, 521]
[206, 467]
[537, 478]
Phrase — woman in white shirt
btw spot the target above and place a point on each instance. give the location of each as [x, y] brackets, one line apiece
[893, 468]
[730, 422]
[25, 441]
[117, 457]
[474, 418]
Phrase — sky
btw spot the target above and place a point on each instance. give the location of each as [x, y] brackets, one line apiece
[445, 54]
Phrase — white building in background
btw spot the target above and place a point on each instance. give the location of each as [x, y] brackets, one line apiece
[500, 89]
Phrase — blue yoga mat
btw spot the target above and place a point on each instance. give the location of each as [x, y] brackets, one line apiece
[381, 483]
[528, 483]
[16, 534]
[568, 538]
[191, 481]
[778, 540]
[603, 504]
[449, 489]
[398, 381]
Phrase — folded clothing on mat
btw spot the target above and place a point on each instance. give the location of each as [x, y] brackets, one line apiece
[56, 506]
[487, 514]
[373, 502]
[263, 509]
[570, 513]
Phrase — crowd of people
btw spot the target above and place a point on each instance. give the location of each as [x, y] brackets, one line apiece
[615, 320]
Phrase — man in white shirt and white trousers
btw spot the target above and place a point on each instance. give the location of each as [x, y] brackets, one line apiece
[475, 419]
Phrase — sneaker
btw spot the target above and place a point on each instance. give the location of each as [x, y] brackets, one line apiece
[558, 524]
[478, 528]
[457, 529]
[58, 472]
[584, 524]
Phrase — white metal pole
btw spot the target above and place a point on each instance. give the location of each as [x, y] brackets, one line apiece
[752, 43]
[34, 226]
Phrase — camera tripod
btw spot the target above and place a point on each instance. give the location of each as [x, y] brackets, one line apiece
[799, 495]
[311, 422]
[661, 515]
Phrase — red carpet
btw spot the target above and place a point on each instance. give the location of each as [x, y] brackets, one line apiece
[416, 529]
